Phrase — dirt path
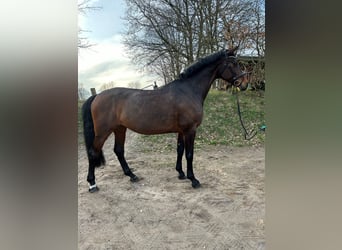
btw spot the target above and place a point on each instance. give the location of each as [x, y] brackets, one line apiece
[162, 212]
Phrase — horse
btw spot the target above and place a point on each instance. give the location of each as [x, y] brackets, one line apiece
[176, 107]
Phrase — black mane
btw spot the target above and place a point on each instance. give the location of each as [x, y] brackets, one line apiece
[201, 63]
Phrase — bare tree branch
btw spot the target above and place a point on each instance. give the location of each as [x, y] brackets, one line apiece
[169, 35]
[83, 8]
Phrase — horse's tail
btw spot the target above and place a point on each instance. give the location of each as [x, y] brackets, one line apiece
[96, 159]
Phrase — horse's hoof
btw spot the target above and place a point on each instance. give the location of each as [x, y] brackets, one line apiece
[181, 176]
[93, 189]
[134, 178]
[195, 184]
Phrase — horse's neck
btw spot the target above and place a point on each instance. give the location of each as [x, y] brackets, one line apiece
[202, 81]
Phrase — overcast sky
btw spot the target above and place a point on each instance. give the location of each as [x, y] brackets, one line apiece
[106, 61]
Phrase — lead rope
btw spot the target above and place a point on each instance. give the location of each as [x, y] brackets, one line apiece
[248, 136]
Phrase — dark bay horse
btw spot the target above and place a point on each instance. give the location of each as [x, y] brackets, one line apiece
[175, 108]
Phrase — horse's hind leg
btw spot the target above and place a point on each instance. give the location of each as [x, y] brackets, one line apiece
[91, 177]
[96, 159]
[119, 150]
[180, 152]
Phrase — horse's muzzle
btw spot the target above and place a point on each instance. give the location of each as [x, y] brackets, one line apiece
[240, 86]
[239, 80]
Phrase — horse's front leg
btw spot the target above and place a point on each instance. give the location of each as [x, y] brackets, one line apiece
[180, 152]
[189, 154]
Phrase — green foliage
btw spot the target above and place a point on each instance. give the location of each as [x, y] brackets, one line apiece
[221, 123]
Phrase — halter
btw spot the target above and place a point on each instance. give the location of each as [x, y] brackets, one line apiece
[233, 79]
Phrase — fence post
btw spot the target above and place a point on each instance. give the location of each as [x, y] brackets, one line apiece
[93, 91]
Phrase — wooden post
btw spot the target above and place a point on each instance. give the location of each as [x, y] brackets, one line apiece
[93, 91]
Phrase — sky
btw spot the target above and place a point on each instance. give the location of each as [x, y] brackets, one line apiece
[107, 60]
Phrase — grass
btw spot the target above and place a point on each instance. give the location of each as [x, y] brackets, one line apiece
[220, 125]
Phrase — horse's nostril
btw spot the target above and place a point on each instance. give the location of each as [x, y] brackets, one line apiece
[237, 83]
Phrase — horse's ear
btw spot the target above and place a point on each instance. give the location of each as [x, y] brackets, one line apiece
[233, 51]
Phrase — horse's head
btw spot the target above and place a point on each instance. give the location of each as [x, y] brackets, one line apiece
[230, 70]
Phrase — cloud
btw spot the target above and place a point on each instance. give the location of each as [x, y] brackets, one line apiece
[100, 73]
[102, 51]
[108, 62]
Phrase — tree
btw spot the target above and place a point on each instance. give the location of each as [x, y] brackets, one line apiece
[134, 85]
[107, 85]
[83, 8]
[258, 33]
[166, 36]
[82, 92]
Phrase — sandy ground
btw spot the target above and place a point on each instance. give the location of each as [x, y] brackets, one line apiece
[162, 212]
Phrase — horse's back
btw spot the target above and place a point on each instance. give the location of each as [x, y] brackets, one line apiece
[147, 111]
